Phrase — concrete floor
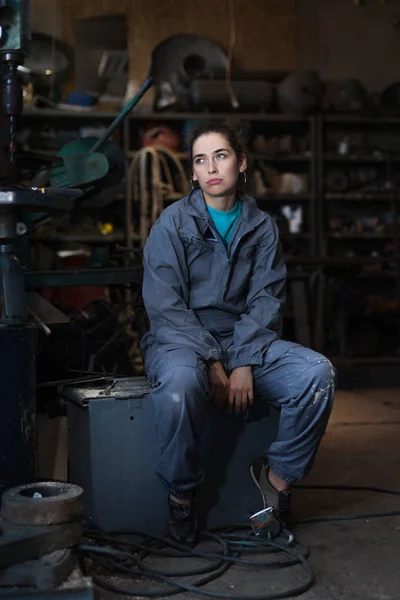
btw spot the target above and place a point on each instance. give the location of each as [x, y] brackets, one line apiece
[352, 560]
[356, 559]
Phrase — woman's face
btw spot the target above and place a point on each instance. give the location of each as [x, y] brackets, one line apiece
[215, 165]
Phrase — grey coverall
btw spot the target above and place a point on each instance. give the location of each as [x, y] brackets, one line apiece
[207, 302]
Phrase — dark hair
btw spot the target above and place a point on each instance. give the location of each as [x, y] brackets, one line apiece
[233, 134]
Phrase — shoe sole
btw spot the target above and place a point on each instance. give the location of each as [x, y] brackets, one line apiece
[254, 478]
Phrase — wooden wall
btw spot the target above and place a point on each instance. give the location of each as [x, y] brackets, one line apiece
[341, 40]
[334, 36]
[265, 29]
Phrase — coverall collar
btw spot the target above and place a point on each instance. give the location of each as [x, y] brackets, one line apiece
[195, 205]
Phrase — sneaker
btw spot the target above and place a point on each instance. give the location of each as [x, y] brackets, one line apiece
[279, 501]
[182, 521]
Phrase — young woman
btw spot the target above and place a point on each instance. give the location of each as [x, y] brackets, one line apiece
[213, 288]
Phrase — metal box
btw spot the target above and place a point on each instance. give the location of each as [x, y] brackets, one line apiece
[113, 451]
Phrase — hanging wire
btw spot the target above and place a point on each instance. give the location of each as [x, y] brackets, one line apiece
[232, 42]
[52, 54]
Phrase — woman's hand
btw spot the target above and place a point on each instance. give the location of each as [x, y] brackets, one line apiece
[219, 384]
[241, 394]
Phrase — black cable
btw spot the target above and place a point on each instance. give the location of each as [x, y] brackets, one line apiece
[135, 566]
[160, 552]
[113, 554]
[194, 552]
[292, 592]
[110, 587]
[349, 488]
[156, 574]
[353, 516]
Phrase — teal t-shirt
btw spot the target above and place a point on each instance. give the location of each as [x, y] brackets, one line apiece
[225, 221]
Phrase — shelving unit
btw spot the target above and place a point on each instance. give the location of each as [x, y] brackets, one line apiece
[359, 147]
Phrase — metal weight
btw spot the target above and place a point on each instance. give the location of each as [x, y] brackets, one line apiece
[46, 503]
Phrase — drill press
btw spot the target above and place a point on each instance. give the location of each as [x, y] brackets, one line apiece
[14, 47]
[17, 336]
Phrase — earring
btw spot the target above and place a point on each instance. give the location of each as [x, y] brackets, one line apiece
[244, 182]
[192, 184]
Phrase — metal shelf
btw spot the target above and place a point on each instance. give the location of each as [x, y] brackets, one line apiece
[357, 158]
[335, 119]
[377, 275]
[181, 155]
[80, 238]
[281, 158]
[49, 113]
[292, 198]
[165, 116]
[342, 261]
[256, 116]
[360, 236]
[77, 277]
[173, 116]
[289, 158]
[360, 197]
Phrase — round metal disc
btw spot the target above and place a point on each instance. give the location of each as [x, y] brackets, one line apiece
[45, 503]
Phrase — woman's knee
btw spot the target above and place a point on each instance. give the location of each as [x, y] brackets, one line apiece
[184, 384]
[322, 370]
[320, 380]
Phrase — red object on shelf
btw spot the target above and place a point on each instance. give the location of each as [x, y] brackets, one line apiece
[75, 296]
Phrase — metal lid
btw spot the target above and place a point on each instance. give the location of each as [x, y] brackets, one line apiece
[126, 388]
